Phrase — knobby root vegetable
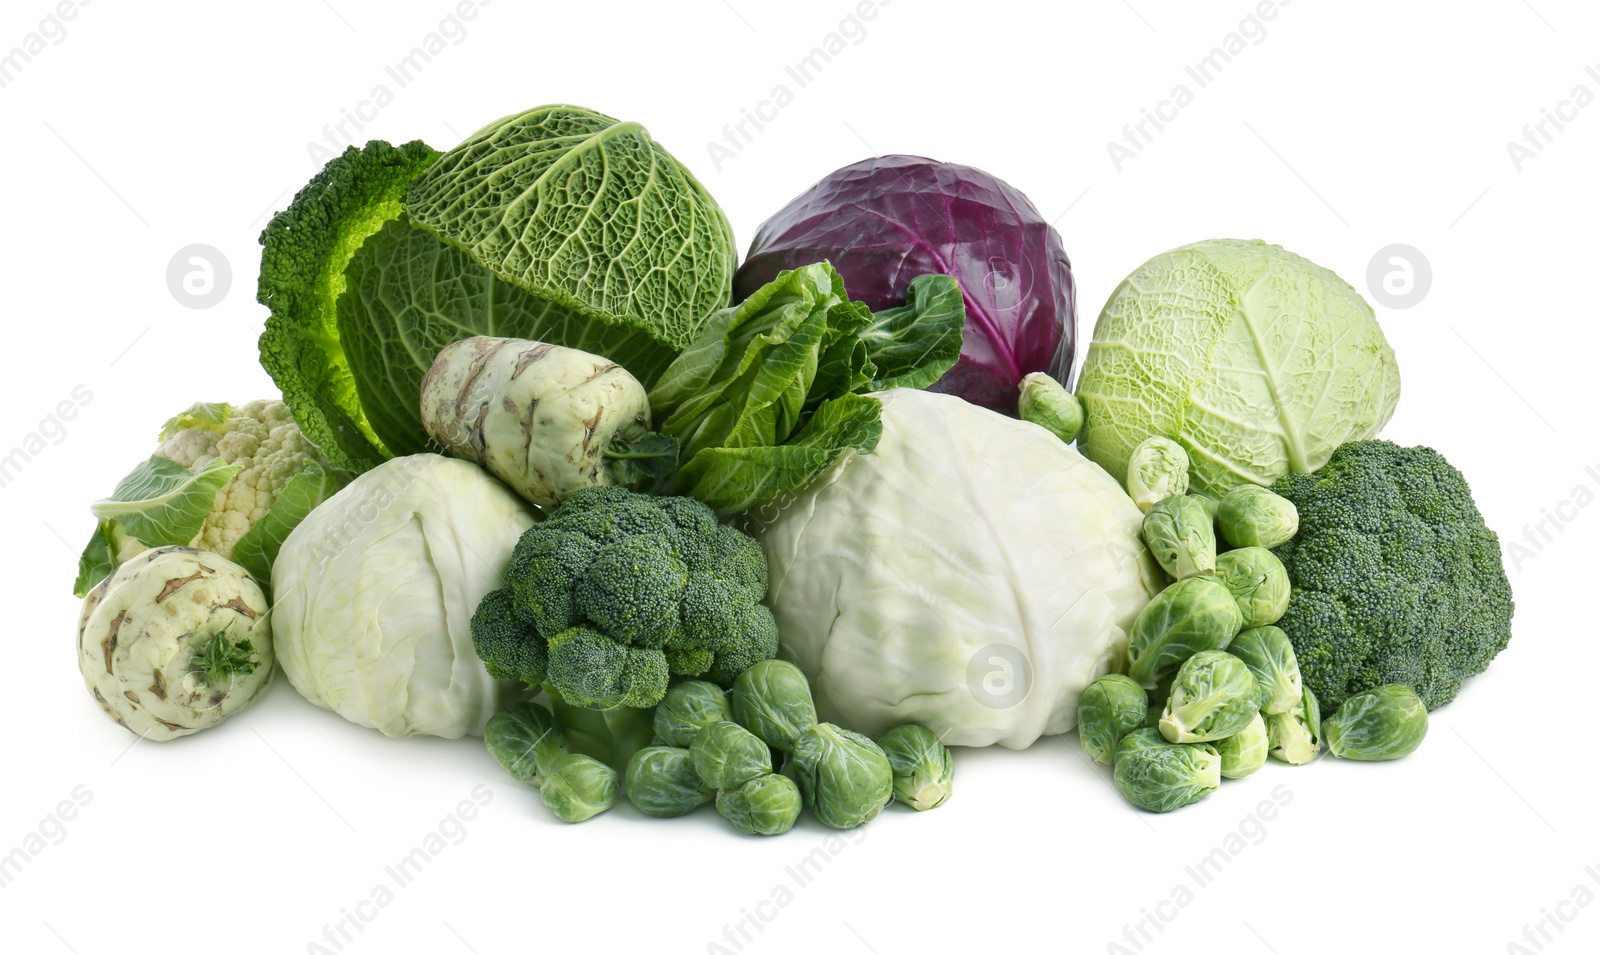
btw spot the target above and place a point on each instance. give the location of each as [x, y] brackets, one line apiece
[544, 419]
[175, 641]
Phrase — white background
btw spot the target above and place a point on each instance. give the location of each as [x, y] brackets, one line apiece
[1348, 127]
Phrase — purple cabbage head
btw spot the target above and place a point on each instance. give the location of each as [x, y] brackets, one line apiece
[882, 222]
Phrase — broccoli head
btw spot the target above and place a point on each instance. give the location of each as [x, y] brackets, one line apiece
[1396, 578]
[617, 592]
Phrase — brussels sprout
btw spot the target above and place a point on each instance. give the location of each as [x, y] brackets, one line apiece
[1180, 537]
[1258, 581]
[726, 754]
[921, 766]
[1213, 698]
[1252, 516]
[525, 740]
[1111, 708]
[773, 700]
[1386, 723]
[578, 787]
[1143, 738]
[1245, 751]
[1157, 469]
[845, 778]
[687, 709]
[662, 782]
[1194, 614]
[1270, 657]
[1293, 737]
[1159, 776]
[764, 806]
[1050, 406]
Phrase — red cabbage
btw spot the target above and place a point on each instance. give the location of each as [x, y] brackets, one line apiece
[882, 222]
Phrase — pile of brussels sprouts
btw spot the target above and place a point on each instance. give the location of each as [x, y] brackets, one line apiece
[757, 750]
[1213, 688]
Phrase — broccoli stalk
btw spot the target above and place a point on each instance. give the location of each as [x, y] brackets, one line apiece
[618, 592]
[1395, 577]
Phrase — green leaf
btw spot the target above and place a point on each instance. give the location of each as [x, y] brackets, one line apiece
[259, 546]
[107, 550]
[913, 344]
[731, 480]
[776, 357]
[204, 414]
[410, 295]
[588, 213]
[220, 659]
[160, 503]
[305, 250]
[647, 458]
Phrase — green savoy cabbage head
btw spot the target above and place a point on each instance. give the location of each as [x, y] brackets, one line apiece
[1255, 360]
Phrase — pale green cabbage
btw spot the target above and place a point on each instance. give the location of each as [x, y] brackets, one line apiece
[1255, 360]
[973, 575]
[376, 590]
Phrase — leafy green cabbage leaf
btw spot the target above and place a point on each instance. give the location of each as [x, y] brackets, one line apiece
[769, 397]
[558, 224]
[1255, 360]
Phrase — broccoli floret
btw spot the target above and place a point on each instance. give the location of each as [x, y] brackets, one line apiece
[591, 669]
[508, 647]
[623, 591]
[631, 590]
[1396, 577]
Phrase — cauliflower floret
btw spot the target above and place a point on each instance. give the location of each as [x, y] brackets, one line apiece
[262, 437]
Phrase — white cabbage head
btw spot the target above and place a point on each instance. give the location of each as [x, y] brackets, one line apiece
[1257, 361]
[375, 593]
[974, 574]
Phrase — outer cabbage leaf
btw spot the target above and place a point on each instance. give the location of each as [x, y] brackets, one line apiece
[1255, 360]
[973, 575]
[410, 295]
[586, 212]
[585, 230]
[304, 253]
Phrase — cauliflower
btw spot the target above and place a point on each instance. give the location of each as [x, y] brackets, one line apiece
[231, 480]
[262, 438]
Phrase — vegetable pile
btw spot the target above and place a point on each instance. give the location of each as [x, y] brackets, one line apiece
[552, 467]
